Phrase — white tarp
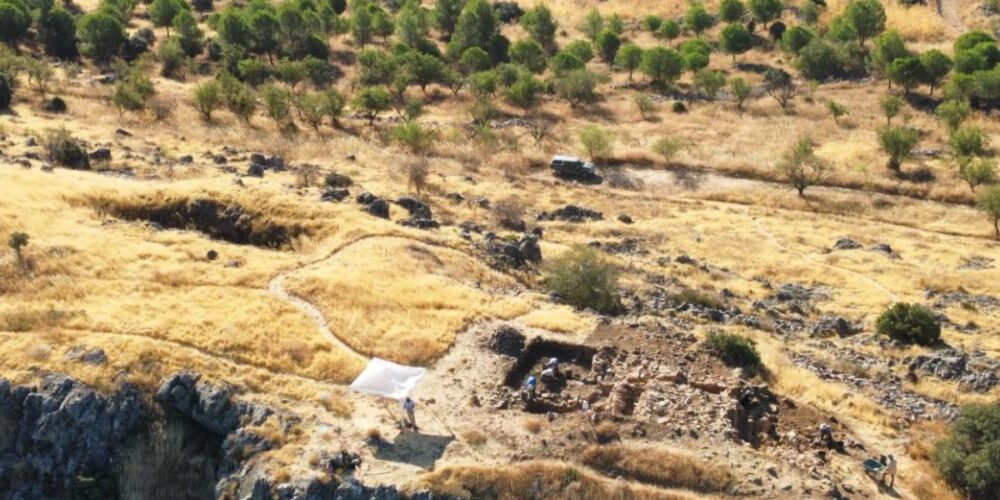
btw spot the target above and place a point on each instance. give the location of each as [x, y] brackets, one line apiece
[385, 378]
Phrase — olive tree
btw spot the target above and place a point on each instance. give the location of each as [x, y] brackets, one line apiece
[765, 11]
[662, 65]
[667, 147]
[17, 242]
[801, 168]
[936, 66]
[989, 202]
[898, 143]
[977, 171]
[629, 57]
[371, 101]
[779, 85]
[891, 106]
[596, 141]
[101, 36]
[741, 92]
[731, 11]
[735, 39]
[867, 17]
[207, 98]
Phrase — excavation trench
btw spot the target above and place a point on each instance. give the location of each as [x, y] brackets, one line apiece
[217, 220]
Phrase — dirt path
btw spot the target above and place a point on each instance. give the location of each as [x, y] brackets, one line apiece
[770, 237]
[948, 10]
[277, 288]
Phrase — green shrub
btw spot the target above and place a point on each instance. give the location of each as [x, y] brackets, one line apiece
[584, 278]
[65, 150]
[969, 458]
[6, 92]
[54, 104]
[910, 323]
[734, 350]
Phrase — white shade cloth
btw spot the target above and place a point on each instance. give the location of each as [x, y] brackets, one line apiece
[385, 378]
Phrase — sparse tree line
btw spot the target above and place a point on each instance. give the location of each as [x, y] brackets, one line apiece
[276, 60]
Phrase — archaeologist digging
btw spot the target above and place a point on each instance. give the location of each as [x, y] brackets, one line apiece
[530, 385]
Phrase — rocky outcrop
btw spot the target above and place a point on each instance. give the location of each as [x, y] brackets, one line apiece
[977, 374]
[506, 340]
[506, 253]
[58, 434]
[571, 213]
[374, 205]
[210, 405]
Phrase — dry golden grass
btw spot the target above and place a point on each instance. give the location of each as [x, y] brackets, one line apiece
[534, 425]
[474, 437]
[403, 300]
[543, 480]
[658, 467]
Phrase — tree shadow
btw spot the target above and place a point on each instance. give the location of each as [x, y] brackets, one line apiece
[413, 448]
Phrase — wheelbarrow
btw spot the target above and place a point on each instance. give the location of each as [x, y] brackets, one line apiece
[873, 467]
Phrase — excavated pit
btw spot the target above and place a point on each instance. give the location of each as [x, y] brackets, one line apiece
[227, 222]
[538, 350]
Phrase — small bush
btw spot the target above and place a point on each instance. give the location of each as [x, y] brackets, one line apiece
[474, 437]
[910, 323]
[65, 150]
[734, 350]
[533, 425]
[337, 180]
[584, 278]
[606, 432]
[6, 92]
[55, 104]
[509, 213]
[969, 458]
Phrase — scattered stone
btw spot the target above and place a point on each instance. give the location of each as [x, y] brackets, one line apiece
[482, 202]
[95, 356]
[337, 180]
[365, 198]
[415, 207]
[186, 160]
[886, 249]
[101, 155]
[506, 340]
[571, 213]
[833, 325]
[220, 159]
[846, 244]
[256, 170]
[335, 195]
[625, 219]
[505, 253]
[975, 263]
[455, 198]
[378, 207]
[122, 133]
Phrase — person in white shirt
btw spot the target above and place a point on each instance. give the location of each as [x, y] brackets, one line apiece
[409, 406]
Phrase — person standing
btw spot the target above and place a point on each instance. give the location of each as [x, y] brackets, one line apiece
[890, 470]
[409, 407]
